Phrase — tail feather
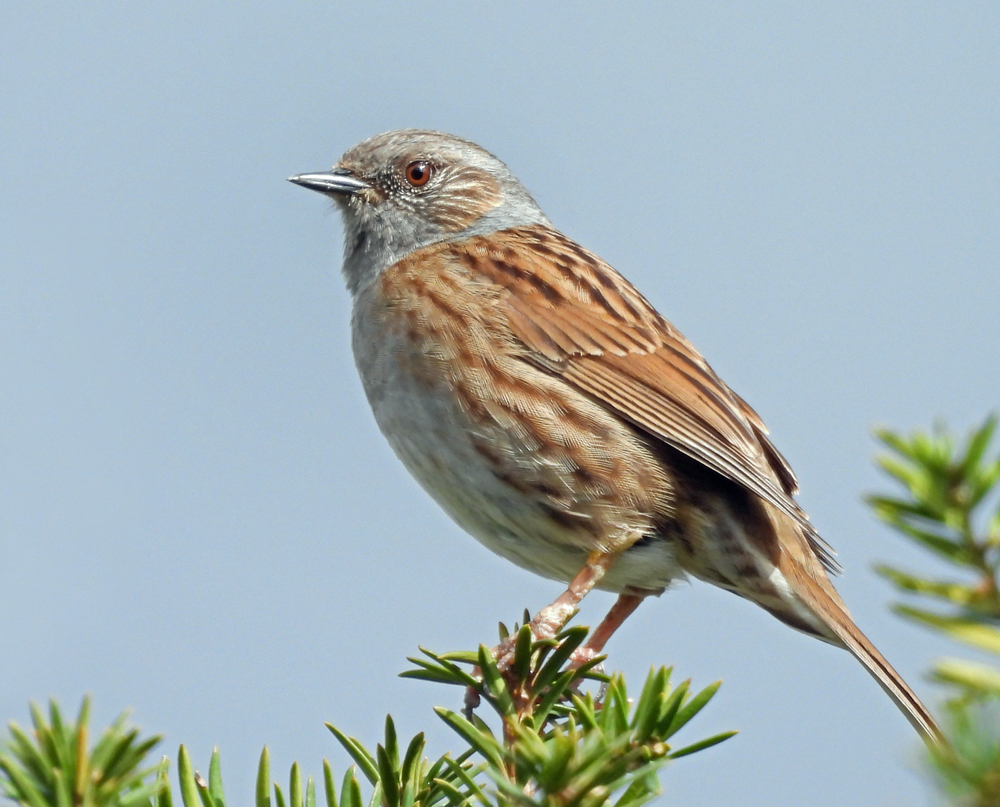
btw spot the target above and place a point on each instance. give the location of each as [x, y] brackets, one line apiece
[835, 617]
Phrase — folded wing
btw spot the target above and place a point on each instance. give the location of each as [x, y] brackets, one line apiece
[583, 321]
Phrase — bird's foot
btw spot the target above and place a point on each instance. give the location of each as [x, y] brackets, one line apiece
[546, 625]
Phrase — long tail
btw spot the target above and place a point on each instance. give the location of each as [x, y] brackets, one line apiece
[844, 632]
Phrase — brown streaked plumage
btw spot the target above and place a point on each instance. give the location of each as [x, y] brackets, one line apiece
[553, 413]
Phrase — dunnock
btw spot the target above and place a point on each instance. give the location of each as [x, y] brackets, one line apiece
[553, 413]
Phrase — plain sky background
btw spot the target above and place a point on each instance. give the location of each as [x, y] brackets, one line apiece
[198, 517]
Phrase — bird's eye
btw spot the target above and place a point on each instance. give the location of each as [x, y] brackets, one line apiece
[418, 172]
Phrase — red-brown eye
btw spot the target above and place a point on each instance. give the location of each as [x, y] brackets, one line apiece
[418, 172]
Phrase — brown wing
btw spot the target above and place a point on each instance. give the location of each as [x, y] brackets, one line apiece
[586, 323]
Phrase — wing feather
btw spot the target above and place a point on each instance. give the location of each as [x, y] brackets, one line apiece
[579, 319]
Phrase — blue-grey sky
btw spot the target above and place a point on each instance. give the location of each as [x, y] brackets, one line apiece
[198, 516]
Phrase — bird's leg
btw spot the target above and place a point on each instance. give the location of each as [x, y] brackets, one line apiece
[620, 611]
[550, 620]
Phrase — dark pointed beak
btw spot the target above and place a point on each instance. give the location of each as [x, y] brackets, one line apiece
[338, 181]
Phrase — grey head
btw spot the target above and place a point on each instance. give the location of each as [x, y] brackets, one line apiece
[410, 188]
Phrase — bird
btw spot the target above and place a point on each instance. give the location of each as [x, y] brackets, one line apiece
[554, 414]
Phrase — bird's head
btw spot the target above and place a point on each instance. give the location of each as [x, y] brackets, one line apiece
[407, 189]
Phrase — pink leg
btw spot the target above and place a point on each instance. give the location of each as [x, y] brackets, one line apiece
[620, 611]
[550, 620]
